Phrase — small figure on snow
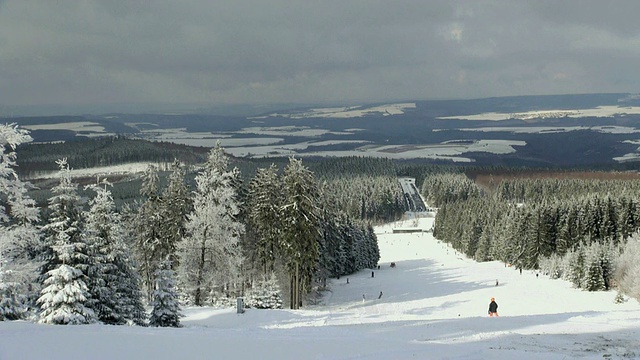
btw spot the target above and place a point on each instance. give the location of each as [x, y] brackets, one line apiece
[363, 297]
[379, 296]
[496, 282]
[493, 307]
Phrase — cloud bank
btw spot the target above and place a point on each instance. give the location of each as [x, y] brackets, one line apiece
[267, 51]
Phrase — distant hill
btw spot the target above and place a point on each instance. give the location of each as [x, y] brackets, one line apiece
[588, 130]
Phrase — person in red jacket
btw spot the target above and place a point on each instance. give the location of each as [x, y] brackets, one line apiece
[493, 307]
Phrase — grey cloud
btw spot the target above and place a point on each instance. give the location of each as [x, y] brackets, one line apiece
[618, 16]
[293, 51]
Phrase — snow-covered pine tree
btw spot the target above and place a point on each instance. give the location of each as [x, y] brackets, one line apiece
[99, 235]
[552, 266]
[265, 198]
[519, 235]
[627, 272]
[64, 230]
[129, 288]
[575, 263]
[609, 252]
[347, 257]
[165, 303]
[12, 297]
[146, 227]
[628, 217]
[548, 233]
[483, 252]
[266, 294]
[359, 249]
[374, 249]
[593, 278]
[300, 224]
[568, 234]
[114, 283]
[209, 254]
[610, 227]
[19, 234]
[175, 205]
[65, 295]
[330, 265]
[594, 212]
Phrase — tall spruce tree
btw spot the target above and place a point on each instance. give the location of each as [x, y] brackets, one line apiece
[175, 205]
[300, 228]
[19, 234]
[330, 264]
[65, 295]
[114, 283]
[147, 225]
[209, 254]
[64, 225]
[265, 198]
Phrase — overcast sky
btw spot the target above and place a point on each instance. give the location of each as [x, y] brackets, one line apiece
[264, 51]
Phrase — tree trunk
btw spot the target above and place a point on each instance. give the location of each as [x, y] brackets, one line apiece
[198, 294]
[297, 286]
[291, 291]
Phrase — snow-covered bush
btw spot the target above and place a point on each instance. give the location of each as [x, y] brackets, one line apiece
[574, 265]
[220, 300]
[265, 295]
[552, 266]
[619, 299]
[64, 296]
[12, 299]
[589, 267]
[627, 275]
[166, 307]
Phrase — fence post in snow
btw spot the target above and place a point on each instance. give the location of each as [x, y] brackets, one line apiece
[240, 305]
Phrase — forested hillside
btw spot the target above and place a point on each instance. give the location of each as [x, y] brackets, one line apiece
[198, 233]
[104, 151]
[576, 228]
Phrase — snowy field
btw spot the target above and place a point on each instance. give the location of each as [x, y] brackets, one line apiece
[434, 306]
[451, 150]
[600, 111]
[553, 129]
[99, 171]
[345, 112]
[79, 126]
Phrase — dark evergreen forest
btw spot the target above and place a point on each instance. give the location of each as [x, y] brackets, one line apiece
[567, 227]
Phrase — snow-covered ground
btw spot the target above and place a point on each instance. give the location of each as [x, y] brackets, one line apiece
[78, 126]
[345, 112]
[553, 129]
[600, 111]
[434, 306]
[99, 171]
[450, 150]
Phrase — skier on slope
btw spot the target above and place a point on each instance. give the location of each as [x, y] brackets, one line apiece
[493, 307]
